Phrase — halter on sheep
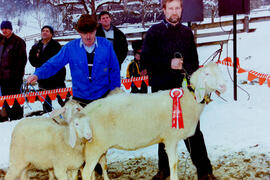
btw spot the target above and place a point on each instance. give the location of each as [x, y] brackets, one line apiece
[122, 121]
[203, 88]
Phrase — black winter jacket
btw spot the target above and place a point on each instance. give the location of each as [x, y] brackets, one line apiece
[120, 44]
[13, 59]
[52, 48]
[161, 43]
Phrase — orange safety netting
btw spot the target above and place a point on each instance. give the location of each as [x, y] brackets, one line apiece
[32, 97]
[41, 95]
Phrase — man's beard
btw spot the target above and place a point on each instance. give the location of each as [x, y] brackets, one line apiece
[174, 19]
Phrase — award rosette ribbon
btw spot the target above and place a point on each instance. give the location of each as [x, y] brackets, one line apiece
[177, 116]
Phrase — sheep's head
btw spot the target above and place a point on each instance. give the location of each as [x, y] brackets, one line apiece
[79, 127]
[64, 114]
[206, 80]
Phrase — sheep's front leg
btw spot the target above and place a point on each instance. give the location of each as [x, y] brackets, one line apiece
[72, 174]
[51, 174]
[24, 174]
[15, 171]
[172, 156]
[92, 154]
[103, 163]
[60, 172]
[88, 172]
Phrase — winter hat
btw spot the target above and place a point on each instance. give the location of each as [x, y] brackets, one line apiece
[6, 25]
[136, 45]
[49, 27]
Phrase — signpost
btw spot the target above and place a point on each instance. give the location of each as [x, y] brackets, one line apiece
[234, 7]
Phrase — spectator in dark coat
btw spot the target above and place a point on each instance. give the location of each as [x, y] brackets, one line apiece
[134, 67]
[40, 53]
[12, 63]
[112, 33]
[169, 48]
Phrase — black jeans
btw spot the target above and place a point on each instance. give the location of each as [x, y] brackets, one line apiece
[195, 146]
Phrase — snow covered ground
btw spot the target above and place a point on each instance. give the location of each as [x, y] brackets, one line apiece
[236, 132]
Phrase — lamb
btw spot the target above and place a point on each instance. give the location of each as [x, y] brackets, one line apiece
[133, 121]
[42, 143]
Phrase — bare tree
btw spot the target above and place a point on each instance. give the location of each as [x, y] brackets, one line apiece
[90, 6]
[212, 6]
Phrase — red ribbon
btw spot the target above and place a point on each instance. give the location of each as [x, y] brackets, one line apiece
[177, 116]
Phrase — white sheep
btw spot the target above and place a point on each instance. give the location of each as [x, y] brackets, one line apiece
[42, 143]
[132, 121]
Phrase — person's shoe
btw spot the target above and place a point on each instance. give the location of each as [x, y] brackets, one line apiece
[208, 177]
[161, 175]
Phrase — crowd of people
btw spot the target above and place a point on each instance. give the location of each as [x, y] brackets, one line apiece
[95, 61]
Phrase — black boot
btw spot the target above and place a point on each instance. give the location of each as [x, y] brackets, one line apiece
[98, 169]
[163, 164]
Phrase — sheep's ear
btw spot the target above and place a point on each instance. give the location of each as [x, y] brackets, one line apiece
[68, 115]
[200, 90]
[72, 136]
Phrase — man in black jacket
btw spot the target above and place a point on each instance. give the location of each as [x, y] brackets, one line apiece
[43, 50]
[169, 48]
[112, 33]
[12, 63]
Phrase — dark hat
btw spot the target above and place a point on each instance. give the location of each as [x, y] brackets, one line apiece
[136, 45]
[6, 25]
[49, 27]
[86, 23]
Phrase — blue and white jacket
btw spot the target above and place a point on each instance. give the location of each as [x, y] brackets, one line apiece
[105, 72]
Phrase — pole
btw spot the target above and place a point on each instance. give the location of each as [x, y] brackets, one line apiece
[234, 57]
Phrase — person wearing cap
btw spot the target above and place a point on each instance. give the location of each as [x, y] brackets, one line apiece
[93, 63]
[13, 59]
[134, 67]
[169, 51]
[113, 34]
[40, 53]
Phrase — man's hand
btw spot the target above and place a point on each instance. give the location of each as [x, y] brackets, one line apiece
[32, 79]
[177, 63]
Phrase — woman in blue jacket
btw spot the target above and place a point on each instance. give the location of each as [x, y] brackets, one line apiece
[93, 63]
